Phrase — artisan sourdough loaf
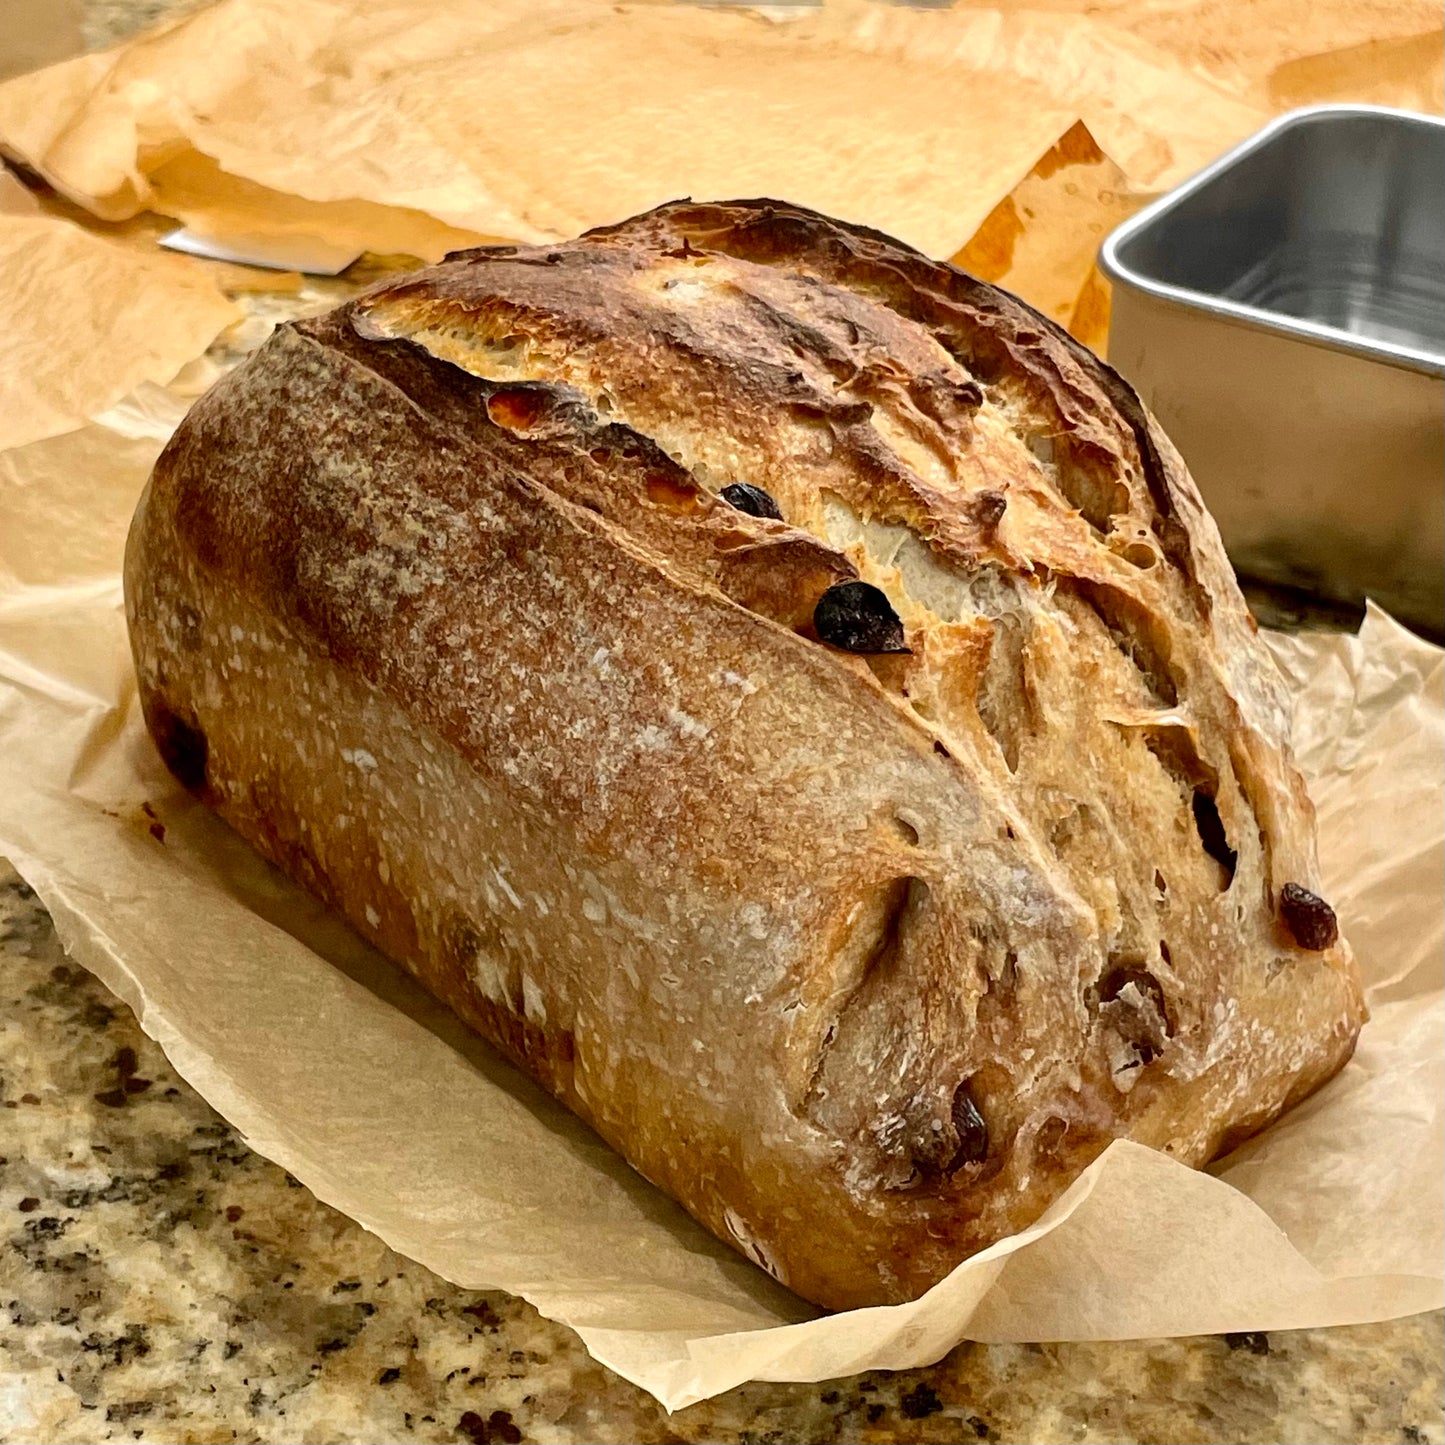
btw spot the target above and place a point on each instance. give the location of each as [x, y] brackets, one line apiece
[784, 693]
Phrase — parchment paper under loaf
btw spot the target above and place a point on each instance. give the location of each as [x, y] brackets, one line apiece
[332, 1063]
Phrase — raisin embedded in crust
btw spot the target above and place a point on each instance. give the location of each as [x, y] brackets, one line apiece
[971, 1128]
[1310, 920]
[744, 497]
[858, 617]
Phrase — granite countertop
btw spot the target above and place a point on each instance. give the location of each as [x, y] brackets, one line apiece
[159, 1281]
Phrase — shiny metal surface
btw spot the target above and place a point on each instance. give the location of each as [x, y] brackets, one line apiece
[1283, 314]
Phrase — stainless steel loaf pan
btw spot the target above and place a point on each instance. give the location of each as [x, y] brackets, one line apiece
[1283, 315]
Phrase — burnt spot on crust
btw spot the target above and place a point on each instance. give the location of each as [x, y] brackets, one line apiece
[479, 253]
[460, 943]
[181, 744]
[683, 252]
[858, 617]
[1310, 920]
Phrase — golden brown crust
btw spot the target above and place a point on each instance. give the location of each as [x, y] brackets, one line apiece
[861, 958]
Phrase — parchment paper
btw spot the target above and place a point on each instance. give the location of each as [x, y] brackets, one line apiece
[415, 126]
[525, 119]
[332, 1063]
[1041, 239]
[15, 198]
[83, 320]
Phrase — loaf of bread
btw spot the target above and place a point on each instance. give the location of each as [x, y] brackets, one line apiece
[784, 693]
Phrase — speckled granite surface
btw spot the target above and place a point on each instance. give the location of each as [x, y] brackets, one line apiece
[161, 1282]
